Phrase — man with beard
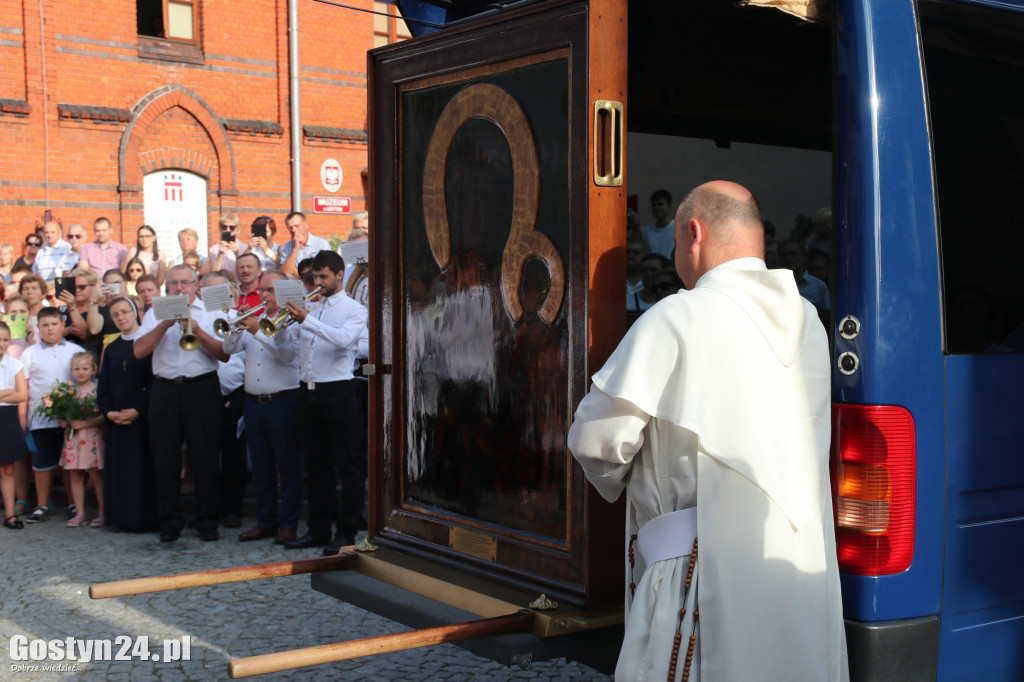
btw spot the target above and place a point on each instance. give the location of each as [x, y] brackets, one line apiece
[330, 341]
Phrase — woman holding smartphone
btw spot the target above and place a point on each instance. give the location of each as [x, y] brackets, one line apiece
[82, 317]
[261, 241]
[147, 251]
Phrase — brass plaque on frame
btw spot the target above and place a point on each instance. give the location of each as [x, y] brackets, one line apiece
[474, 544]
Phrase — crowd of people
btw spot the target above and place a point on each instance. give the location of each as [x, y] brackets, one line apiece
[651, 274]
[205, 400]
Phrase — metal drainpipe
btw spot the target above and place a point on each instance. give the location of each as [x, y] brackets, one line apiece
[46, 108]
[293, 96]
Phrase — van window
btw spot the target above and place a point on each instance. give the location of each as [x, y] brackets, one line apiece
[974, 63]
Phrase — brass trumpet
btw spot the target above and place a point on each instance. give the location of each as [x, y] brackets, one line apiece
[189, 340]
[222, 327]
[271, 327]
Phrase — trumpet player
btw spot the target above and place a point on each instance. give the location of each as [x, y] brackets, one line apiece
[184, 403]
[329, 340]
[271, 387]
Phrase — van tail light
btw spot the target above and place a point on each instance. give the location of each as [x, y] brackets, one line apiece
[873, 487]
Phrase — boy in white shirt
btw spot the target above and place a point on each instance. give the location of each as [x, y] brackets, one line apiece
[46, 364]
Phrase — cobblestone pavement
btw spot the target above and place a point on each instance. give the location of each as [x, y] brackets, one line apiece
[47, 569]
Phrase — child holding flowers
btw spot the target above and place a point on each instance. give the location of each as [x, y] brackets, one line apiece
[83, 439]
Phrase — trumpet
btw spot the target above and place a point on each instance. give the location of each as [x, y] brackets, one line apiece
[284, 318]
[189, 340]
[222, 327]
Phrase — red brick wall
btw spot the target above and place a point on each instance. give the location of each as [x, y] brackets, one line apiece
[142, 114]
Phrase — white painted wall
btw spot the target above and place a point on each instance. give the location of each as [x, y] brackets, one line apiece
[786, 181]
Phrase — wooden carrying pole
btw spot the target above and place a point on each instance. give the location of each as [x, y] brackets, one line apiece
[120, 588]
[343, 651]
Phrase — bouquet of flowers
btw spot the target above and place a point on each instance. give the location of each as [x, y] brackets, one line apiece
[64, 404]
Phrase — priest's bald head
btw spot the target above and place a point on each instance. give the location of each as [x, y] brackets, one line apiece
[717, 222]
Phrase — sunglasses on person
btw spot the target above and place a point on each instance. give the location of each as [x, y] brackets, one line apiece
[80, 287]
[76, 237]
[225, 226]
[35, 244]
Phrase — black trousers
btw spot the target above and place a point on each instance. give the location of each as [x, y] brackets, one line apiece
[190, 412]
[233, 470]
[328, 426]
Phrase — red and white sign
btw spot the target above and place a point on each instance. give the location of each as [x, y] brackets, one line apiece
[330, 175]
[341, 205]
[173, 190]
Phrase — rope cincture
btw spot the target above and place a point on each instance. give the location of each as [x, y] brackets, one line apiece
[632, 562]
[678, 639]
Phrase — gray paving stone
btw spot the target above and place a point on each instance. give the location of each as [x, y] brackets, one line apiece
[44, 595]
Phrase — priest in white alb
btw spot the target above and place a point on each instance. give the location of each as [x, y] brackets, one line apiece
[713, 414]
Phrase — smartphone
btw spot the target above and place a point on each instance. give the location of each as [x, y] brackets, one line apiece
[111, 289]
[259, 230]
[18, 326]
[61, 284]
[226, 236]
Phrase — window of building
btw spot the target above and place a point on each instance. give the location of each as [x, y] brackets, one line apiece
[388, 29]
[168, 19]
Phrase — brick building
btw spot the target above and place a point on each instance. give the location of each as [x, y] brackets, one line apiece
[100, 114]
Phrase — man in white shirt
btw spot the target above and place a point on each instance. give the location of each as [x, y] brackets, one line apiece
[271, 388]
[714, 415]
[328, 398]
[184, 402]
[56, 256]
[303, 245]
[659, 236]
[46, 364]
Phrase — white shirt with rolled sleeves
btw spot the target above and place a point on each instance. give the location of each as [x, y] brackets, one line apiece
[330, 339]
[271, 364]
[231, 373]
[170, 360]
[45, 367]
[52, 261]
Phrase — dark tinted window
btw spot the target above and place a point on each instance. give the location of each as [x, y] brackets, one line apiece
[974, 61]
